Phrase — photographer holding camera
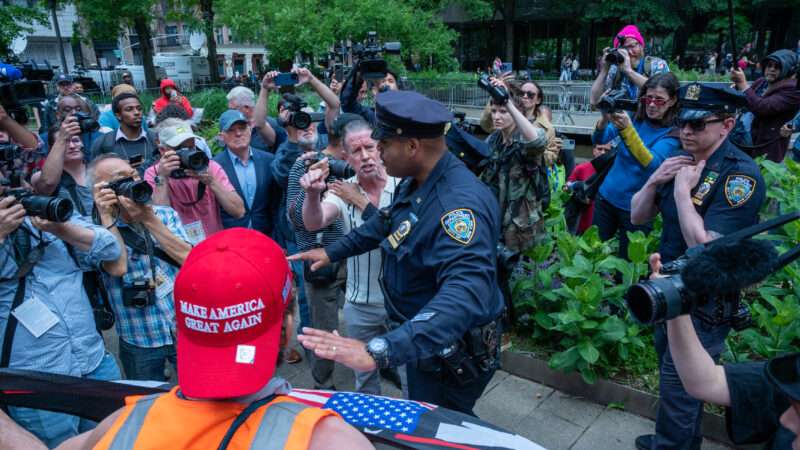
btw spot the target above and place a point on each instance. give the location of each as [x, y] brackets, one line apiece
[76, 106]
[709, 190]
[156, 245]
[193, 186]
[46, 318]
[625, 66]
[641, 146]
[370, 67]
[267, 135]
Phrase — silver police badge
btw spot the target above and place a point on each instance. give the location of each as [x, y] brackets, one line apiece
[739, 189]
[459, 224]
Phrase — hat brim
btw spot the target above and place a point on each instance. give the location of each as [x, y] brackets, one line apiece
[178, 139]
[234, 123]
[694, 114]
[382, 133]
[783, 373]
[212, 372]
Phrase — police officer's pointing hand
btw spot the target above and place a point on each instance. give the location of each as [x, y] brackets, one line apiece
[318, 256]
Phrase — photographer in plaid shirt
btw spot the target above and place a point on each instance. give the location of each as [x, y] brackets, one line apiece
[155, 246]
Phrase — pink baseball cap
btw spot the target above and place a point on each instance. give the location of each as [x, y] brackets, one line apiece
[628, 31]
[230, 298]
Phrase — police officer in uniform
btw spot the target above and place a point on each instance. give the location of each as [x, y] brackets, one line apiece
[438, 242]
[711, 188]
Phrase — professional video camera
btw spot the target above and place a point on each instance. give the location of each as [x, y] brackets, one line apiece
[302, 120]
[337, 62]
[338, 168]
[615, 100]
[719, 269]
[191, 159]
[499, 95]
[371, 65]
[138, 191]
[22, 87]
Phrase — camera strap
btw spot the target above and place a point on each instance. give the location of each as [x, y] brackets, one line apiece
[145, 246]
[93, 286]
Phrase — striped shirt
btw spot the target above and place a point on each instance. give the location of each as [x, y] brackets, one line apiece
[154, 325]
[295, 195]
[363, 271]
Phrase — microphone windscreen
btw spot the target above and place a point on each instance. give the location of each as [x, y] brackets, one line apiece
[728, 268]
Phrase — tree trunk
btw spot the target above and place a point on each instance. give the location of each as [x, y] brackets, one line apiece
[207, 9]
[142, 27]
[680, 41]
[53, 12]
[508, 24]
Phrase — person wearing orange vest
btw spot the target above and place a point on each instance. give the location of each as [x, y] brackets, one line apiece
[231, 299]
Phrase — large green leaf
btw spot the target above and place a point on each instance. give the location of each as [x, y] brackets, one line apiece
[588, 351]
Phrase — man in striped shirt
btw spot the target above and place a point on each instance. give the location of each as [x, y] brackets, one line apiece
[353, 201]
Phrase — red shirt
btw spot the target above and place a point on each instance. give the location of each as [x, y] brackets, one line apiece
[582, 172]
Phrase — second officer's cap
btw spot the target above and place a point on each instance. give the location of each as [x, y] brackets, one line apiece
[409, 114]
[700, 100]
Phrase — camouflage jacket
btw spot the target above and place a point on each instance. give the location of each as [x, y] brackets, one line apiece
[517, 176]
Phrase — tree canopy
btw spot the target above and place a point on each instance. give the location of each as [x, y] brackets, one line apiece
[17, 21]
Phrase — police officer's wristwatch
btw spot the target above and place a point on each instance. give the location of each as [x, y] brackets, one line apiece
[378, 348]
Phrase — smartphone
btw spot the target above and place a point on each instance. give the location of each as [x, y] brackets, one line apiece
[286, 79]
[567, 144]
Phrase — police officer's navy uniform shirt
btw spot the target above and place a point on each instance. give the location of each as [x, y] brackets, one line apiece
[441, 276]
[728, 197]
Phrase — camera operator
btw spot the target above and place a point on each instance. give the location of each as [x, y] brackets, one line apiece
[75, 105]
[516, 173]
[156, 245]
[625, 66]
[641, 146]
[353, 201]
[196, 195]
[351, 97]
[762, 399]
[710, 189]
[131, 141]
[772, 100]
[52, 327]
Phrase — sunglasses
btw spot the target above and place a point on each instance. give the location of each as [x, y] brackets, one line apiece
[653, 101]
[529, 94]
[696, 124]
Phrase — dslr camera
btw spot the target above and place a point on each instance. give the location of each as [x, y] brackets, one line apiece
[191, 159]
[138, 191]
[338, 168]
[301, 119]
[138, 294]
[499, 95]
[54, 209]
[371, 64]
[614, 57]
[616, 100]
[86, 122]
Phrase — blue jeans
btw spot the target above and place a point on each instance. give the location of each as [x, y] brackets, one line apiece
[302, 302]
[54, 428]
[143, 363]
[679, 414]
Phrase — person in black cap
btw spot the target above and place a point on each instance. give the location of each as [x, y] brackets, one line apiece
[762, 399]
[438, 243]
[709, 189]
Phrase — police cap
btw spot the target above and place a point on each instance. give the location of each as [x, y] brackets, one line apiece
[409, 114]
[700, 100]
[469, 149]
[784, 373]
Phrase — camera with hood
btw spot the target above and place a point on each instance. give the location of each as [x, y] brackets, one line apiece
[22, 85]
[138, 191]
[54, 209]
[499, 95]
[616, 100]
[86, 122]
[191, 159]
[371, 64]
[614, 57]
[298, 118]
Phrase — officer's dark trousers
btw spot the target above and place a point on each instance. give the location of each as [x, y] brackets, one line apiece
[611, 221]
[441, 389]
[679, 414]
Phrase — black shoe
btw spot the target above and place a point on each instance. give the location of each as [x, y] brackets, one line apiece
[391, 376]
[645, 442]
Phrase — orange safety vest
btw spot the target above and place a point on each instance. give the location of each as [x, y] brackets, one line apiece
[166, 421]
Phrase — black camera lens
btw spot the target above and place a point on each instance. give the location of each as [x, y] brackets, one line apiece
[53, 209]
[498, 94]
[660, 299]
[614, 57]
[340, 169]
[300, 120]
[193, 159]
[86, 122]
[138, 191]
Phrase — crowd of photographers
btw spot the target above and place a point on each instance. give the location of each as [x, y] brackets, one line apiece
[99, 212]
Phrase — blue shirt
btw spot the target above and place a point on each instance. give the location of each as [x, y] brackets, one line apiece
[246, 174]
[154, 325]
[627, 175]
[440, 279]
[72, 346]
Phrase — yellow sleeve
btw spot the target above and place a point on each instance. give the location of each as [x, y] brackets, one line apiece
[636, 146]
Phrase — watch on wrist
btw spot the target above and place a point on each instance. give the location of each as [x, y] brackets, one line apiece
[160, 181]
[378, 348]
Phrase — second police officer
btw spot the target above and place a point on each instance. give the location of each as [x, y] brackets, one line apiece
[710, 189]
[438, 242]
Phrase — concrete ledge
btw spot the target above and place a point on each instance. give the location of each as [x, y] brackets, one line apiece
[526, 365]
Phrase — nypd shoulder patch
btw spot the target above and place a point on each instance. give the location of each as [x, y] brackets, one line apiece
[739, 189]
[460, 225]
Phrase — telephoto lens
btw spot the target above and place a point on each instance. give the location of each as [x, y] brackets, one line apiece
[498, 94]
[193, 159]
[138, 191]
[654, 301]
[54, 209]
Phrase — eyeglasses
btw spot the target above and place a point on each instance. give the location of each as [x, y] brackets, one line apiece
[529, 94]
[696, 124]
[653, 101]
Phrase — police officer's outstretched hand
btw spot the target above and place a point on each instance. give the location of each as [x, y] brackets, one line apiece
[668, 169]
[349, 352]
[318, 256]
[11, 216]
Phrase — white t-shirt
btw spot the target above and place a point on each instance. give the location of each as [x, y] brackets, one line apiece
[363, 271]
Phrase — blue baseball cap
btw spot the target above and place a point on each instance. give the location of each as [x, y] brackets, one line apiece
[230, 117]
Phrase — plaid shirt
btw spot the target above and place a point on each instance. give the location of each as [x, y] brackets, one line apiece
[154, 325]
